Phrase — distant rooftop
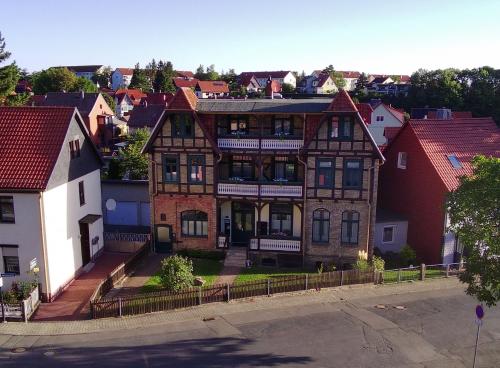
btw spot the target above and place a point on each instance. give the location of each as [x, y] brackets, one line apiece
[314, 105]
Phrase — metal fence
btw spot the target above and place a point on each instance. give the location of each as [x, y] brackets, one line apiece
[422, 272]
[166, 300]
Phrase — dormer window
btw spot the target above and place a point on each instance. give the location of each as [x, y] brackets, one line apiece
[342, 128]
[182, 126]
[402, 159]
[74, 148]
[455, 162]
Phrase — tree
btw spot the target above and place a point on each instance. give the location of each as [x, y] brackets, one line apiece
[163, 79]
[211, 74]
[20, 99]
[176, 273]
[287, 88]
[83, 84]
[9, 74]
[133, 161]
[140, 79]
[53, 80]
[474, 212]
[110, 101]
[337, 77]
[103, 78]
[361, 84]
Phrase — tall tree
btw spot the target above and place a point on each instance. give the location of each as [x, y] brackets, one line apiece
[211, 74]
[9, 74]
[140, 79]
[83, 84]
[474, 210]
[337, 77]
[361, 84]
[133, 161]
[103, 78]
[200, 73]
[163, 80]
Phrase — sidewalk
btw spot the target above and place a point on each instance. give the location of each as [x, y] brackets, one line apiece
[261, 304]
[73, 303]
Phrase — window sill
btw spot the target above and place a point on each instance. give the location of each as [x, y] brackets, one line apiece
[195, 236]
[196, 182]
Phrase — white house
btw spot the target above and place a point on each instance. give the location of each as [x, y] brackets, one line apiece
[318, 84]
[50, 196]
[350, 78]
[391, 231]
[123, 104]
[121, 78]
[85, 71]
[281, 76]
[384, 116]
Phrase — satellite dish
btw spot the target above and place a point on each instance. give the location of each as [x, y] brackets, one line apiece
[111, 204]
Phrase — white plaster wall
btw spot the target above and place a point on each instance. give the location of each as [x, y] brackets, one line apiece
[26, 233]
[62, 212]
[400, 236]
[376, 128]
[290, 79]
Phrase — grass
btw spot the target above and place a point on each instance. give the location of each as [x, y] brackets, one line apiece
[208, 269]
[262, 273]
[406, 275]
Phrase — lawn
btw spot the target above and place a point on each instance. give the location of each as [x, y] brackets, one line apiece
[262, 273]
[407, 275]
[209, 269]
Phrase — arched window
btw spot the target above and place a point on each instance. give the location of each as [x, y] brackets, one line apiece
[194, 223]
[350, 227]
[321, 226]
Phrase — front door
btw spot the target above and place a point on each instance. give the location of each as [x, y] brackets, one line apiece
[163, 238]
[85, 243]
[243, 223]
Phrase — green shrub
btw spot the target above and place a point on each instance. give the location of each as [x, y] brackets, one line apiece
[362, 265]
[407, 255]
[378, 263]
[205, 254]
[176, 273]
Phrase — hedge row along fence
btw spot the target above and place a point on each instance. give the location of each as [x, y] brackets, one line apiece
[167, 300]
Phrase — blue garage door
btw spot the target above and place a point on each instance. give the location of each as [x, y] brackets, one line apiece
[125, 213]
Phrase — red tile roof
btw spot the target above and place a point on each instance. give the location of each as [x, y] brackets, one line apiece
[184, 74]
[134, 94]
[272, 74]
[126, 71]
[212, 87]
[465, 138]
[30, 143]
[398, 113]
[159, 98]
[349, 74]
[365, 110]
[322, 78]
[390, 133]
[342, 102]
[183, 82]
[461, 114]
[184, 99]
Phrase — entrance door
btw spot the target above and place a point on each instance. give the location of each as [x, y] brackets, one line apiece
[163, 238]
[85, 243]
[242, 223]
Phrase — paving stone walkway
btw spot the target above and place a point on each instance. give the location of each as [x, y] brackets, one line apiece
[73, 303]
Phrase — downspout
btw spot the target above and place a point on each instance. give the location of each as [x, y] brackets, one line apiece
[304, 195]
[370, 201]
[44, 247]
[152, 214]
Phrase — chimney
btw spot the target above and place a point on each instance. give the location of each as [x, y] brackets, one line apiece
[145, 103]
[82, 94]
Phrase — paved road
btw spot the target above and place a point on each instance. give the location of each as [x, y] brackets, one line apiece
[435, 329]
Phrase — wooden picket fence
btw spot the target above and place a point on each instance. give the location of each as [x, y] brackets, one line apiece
[167, 300]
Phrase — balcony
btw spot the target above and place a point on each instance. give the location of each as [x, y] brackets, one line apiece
[288, 143]
[238, 143]
[264, 190]
[277, 245]
[281, 144]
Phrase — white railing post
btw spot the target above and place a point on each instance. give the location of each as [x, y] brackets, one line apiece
[120, 307]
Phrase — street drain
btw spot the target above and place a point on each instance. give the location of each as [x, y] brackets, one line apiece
[208, 319]
[18, 350]
[400, 307]
[380, 306]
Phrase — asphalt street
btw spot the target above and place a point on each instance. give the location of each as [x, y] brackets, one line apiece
[434, 328]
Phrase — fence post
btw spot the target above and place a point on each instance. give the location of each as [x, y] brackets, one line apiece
[268, 287]
[422, 272]
[120, 307]
[307, 281]
[91, 310]
[399, 275]
[447, 270]
[228, 295]
[199, 295]
[341, 277]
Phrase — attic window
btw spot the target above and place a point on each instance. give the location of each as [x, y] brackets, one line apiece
[402, 159]
[454, 161]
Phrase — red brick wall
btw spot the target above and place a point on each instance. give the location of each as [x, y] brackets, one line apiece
[173, 206]
[416, 192]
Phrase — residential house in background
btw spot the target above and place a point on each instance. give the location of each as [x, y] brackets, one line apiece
[157, 98]
[382, 117]
[145, 116]
[320, 83]
[121, 78]
[50, 196]
[424, 163]
[390, 231]
[211, 89]
[250, 83]
[85, 71]
[287, 180]
[365, 110]
[184, 74]
[126, 99]
[282, 76]
[92, 107]
[350, 78]
[182, 82]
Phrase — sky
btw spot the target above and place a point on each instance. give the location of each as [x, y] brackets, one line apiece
[384, 36]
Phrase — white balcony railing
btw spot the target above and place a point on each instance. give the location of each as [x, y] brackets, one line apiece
[238, 189]
[244, 143]
[222, 242]
[282, 245]
[277, 144]
[280, 190]
[254, 244]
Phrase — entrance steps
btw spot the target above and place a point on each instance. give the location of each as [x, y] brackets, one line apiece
[236, 257]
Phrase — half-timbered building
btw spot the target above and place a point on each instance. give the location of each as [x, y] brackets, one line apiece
[292, 181]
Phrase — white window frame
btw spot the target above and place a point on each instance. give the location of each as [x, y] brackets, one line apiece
[393, 233]
[400, 160]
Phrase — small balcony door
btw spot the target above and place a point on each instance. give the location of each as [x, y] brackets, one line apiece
[243, 222]
[163, 238]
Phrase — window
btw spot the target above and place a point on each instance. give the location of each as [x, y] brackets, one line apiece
[196, 169]
[242, 167]
[353, 174]
[238, 125]
[194, 223]
[341, 128]
[325, 169]
[350, 227]
[388, 234]
[10, 258]
[283, 126]
[182, 126]
[7, 209]
[81, 193]
[284, 170]
[74, 148]
[281, 219]
[455, 162]
[402, 159]
[170, 169]
[380, 118]
[321, 226]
